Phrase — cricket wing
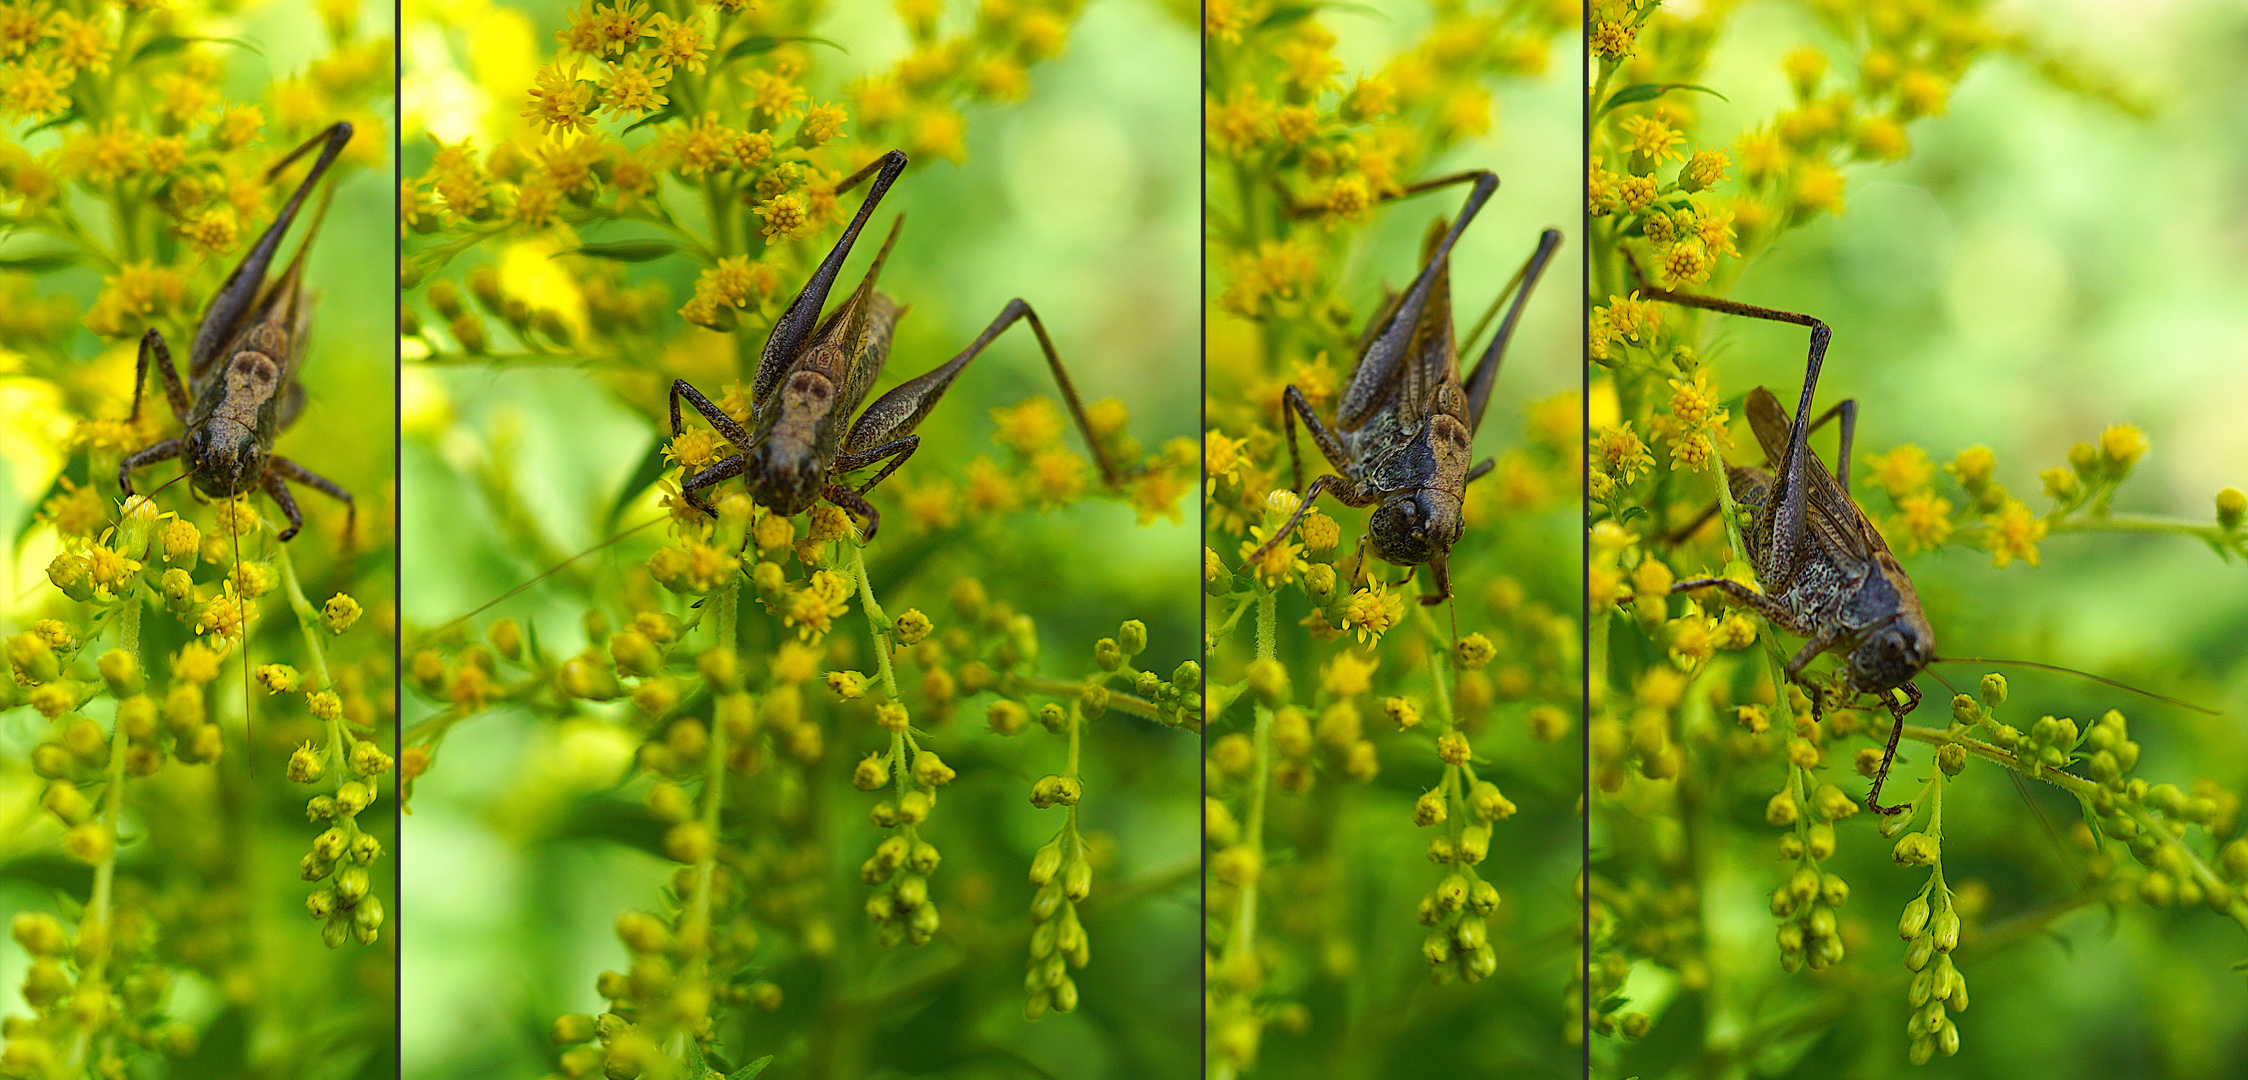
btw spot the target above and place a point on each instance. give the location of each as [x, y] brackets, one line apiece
[1835, 522]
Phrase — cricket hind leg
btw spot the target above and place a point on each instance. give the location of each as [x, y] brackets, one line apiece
[240, 290]
[1790, 517]
[896, 414]
[174, 392]
[1294, 404]
[797, 322]
[279, 470]
[1847, 411]
[1378, 362]
[1486, 373]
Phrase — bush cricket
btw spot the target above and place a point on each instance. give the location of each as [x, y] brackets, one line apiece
[1404, 430]
[811, 378]
[238, 407]
[1824, 571]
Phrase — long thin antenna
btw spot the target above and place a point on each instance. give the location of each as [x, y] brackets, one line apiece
[2102, 680]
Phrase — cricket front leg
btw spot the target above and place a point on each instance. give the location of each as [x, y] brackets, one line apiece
[176, 394]
[1897, 714]
[1292, 405]
[730, 467]
[1346, 491]
[1441, 575]
[161, 450]
[681, 388]
[280, 468]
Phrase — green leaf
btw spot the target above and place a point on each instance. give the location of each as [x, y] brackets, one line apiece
[39, 263]
[750, 1071]
[670, 110]
[66, 116]
[1633, 95]
[652, 466]
[168, 44]
[762, 44]
[631, 251]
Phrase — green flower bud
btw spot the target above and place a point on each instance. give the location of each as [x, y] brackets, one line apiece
[1994, 690]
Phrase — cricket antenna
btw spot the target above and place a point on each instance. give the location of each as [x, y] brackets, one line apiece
[2102, 680]
[556, 569]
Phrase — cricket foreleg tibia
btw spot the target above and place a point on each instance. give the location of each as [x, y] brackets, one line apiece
[681, 388]
[731, 466]
[160, 450]
[279, 469]
[1344, 490]
[852, 502]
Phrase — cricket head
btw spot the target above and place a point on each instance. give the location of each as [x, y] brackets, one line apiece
[224, 459]
[1414, 526]
[1892, 653]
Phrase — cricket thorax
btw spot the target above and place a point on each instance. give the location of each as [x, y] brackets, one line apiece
[1421, 473]
[794, 443]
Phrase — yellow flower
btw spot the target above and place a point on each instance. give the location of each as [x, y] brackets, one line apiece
[784, 215]
[678, 44]
[339, 613]
[693, 449]
[2121, 447]
[1028, 427]
[1620, 453]
[1060, 476]
[632, 88]
[2014, 531]
[1653, 139]
[76, 511]
[1371, 611]
[559, 101]
[1278, 563]
[1348, 674]
[773, 97]
[1923, 522]
[34, 90]
[196, 663]
[1901, 471]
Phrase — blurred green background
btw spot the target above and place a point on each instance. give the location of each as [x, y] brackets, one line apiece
[1081, 200]
[2043, 266]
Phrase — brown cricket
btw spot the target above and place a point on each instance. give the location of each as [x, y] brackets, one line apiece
[241, 405]
[812, 375]
[1404, 431]
[1826, 573]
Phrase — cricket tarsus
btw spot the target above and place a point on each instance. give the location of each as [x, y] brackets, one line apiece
[235, 409]
[1403, 434]
[795, 450]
